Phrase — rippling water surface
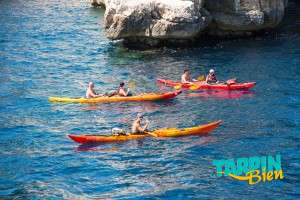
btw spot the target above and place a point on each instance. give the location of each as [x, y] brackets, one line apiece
[52, 48]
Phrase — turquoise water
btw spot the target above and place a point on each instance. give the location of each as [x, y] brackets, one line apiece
[51, 48]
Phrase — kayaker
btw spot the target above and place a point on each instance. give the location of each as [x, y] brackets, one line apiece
[136, 127]
[185, 77]
[211, 77]
[90, 92]
[121, 91]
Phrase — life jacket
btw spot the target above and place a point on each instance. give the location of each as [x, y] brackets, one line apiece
[212, 78]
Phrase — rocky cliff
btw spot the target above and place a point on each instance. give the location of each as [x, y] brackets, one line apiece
[155, 21]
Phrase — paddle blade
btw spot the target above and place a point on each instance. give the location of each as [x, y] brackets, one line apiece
[81, 83]
[132, 85]
[177, 87]
[201, 78]
[194, 87]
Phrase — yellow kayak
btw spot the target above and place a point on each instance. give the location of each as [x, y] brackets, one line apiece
[105, 99]
[166, 132]
[197, 130]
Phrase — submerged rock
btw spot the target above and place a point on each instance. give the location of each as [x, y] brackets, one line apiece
[153, 22]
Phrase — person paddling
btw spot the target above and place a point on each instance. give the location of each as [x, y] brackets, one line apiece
[90, 92]
[185, 77]
[136, 127]
[211, 77]
[121, 91]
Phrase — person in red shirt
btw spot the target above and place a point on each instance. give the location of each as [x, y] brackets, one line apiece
[211, 77]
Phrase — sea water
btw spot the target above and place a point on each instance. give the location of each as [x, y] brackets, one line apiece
[54, 48]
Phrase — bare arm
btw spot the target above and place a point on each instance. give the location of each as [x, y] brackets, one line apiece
[144, 128]
[183, 80]
[206, 79]
[91, 93]
[123, 93]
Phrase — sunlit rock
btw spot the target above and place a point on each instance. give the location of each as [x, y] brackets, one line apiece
[156, 21]
[244, 15]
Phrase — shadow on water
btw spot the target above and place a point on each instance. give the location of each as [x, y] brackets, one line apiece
[93, 147]
[291, 21]
[97, 11]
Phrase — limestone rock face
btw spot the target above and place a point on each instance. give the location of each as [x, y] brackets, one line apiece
[161, 19]
[245, 15]
[179, 20]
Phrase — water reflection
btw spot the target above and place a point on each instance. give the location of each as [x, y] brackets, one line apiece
[121, 107]
[221, 94]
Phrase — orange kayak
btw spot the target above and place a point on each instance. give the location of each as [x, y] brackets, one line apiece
[142, 97]
[105, 138]
[166, 132]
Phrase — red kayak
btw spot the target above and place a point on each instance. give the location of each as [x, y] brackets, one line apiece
[200, 85]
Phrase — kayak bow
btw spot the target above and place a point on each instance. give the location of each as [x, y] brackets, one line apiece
[197, 130]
